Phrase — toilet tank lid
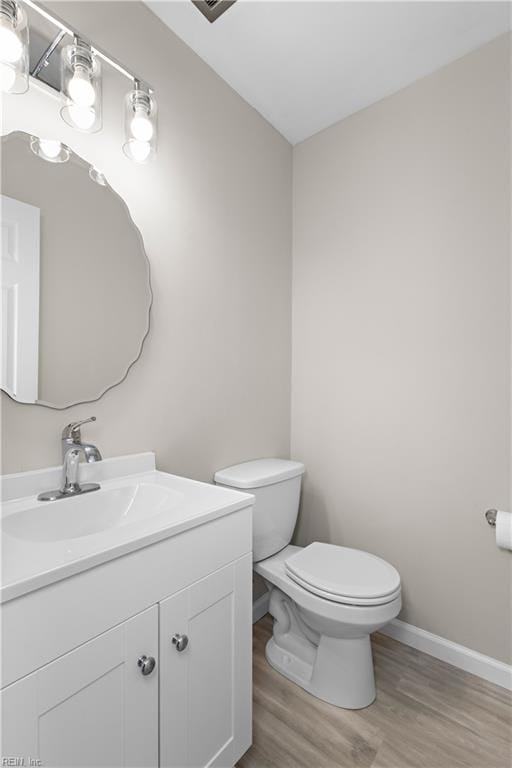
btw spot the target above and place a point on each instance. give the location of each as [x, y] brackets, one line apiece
[257, 473]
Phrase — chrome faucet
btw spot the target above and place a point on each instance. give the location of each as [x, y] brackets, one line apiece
[72, 449]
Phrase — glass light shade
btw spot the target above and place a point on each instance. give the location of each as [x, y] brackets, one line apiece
[14, 52]
[81, 87]
[140, 125]
[50, 150]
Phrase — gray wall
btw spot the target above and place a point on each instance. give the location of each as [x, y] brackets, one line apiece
[401, 341]
[214, 208]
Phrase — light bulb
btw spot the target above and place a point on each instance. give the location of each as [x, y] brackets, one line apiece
[11, 47]
[50, 148]
[80, 89]
[7, 77]
[140, 150]
[82, 117]
[141, 126]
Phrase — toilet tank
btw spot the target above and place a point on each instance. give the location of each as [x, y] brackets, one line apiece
[275, 484]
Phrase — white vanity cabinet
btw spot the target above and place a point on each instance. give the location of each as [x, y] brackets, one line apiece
[205, 695]
[90, 707]
[94, 706]
[74, 692]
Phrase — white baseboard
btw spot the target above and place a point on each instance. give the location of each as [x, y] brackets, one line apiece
[490, 669]
[260, 607]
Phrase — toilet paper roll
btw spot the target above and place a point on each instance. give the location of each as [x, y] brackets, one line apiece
[504, 530]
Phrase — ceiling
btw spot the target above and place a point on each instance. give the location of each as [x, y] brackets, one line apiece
[305, 64]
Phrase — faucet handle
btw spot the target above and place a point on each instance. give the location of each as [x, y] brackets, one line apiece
[72, 431]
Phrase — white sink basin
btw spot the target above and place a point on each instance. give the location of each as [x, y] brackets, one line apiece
[42, 542]
[91, 513]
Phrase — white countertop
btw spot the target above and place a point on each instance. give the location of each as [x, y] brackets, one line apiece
[28, 565]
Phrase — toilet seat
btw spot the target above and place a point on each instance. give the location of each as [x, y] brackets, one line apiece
[344, 575]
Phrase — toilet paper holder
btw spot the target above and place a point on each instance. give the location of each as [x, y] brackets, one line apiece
[490, 516]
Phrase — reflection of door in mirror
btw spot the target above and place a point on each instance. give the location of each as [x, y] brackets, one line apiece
[20, 298]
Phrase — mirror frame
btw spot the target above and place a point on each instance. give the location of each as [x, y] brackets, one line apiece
[5, 138]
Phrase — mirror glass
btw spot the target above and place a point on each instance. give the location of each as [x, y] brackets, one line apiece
[76, 292]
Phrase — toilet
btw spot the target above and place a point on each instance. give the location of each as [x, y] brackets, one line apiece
[325, 599]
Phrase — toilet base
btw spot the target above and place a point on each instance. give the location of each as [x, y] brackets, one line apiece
[319, 644]
[340, 672]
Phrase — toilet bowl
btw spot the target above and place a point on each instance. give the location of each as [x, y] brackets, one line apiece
[325, 599]
[323, 644]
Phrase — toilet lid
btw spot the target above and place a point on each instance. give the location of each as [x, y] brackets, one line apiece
[344, 575]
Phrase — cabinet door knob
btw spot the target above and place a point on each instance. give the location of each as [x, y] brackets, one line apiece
[180, 641]
[146, 664]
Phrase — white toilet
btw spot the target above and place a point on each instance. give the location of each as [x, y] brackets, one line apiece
[325, 599]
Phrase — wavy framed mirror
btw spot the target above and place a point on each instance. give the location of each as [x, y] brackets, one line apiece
[75, 279]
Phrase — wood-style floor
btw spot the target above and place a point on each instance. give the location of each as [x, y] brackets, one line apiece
[427, 714]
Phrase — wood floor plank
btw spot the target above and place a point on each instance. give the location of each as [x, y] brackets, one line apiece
[427, 714]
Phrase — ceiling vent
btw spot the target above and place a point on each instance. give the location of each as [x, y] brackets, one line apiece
[212, 9]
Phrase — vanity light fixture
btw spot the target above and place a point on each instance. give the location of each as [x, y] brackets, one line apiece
[50, 150]
[81, 87]
[80, 82]
[14, 55]
[97, 176]
[140, 125]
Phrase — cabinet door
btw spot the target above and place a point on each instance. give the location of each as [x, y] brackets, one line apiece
[205, 689]
[91, 707]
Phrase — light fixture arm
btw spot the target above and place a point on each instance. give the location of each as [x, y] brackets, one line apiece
[43, 61]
